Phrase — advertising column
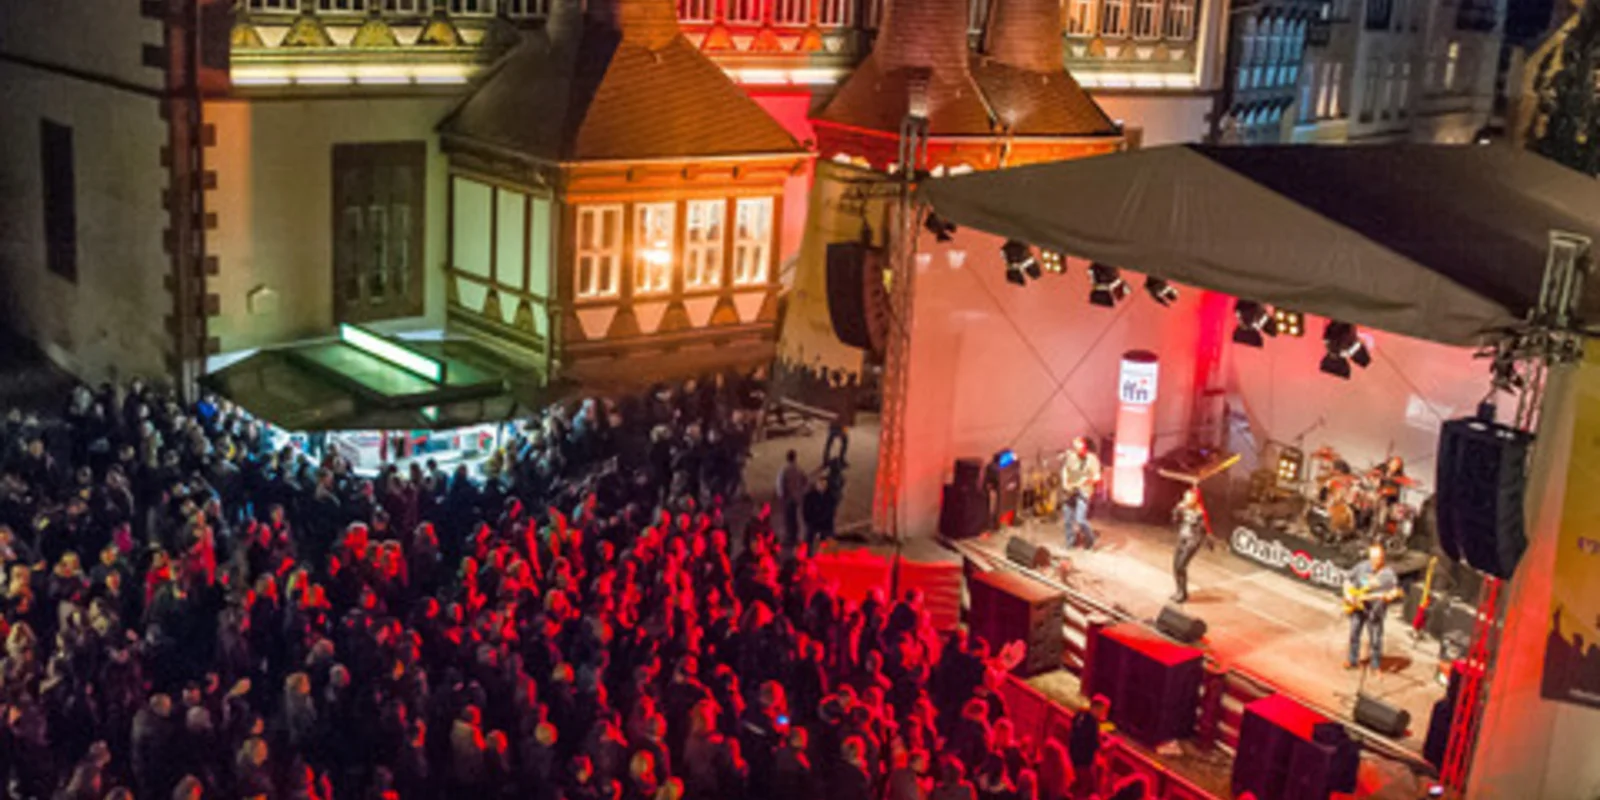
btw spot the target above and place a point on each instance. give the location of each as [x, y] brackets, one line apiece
[1136, 395]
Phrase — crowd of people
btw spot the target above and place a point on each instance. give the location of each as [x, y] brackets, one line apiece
[190, 612]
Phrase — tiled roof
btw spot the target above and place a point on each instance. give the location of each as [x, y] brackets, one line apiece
[1026, 34]
[878, 99]
[1040, 103]
[594, 92]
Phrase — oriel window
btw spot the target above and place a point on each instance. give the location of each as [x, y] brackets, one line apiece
[379, 202]
[752, 241]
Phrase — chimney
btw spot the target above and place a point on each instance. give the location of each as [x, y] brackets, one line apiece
[924, 33]
[651, 24]
[1025, 34]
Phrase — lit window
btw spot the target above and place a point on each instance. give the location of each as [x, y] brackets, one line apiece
[696, 10]
[744, 10]
[599, 251]
[1336, 105]
[652, 247]
[1114, 18]
[837, 13]
[702, 244]
[1080, 17]
[791, 12]
[1452, 59]
[752, 241]
[1325, 93]
[473, 8]
[1179, 20]
[1146, 19]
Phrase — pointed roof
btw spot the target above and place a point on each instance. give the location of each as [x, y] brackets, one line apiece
[1020, 83]
[619, 83]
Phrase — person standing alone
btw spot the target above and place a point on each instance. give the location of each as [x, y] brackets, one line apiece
[1193, 528]
[792, 485]
[1368, 591]
[1080, 474]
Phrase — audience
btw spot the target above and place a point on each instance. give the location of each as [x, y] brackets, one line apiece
[191, 611]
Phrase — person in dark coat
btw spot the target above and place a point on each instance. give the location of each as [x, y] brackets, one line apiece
[1083, 744]
[818, 508]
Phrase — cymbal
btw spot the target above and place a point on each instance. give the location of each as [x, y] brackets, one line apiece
[1404, 480]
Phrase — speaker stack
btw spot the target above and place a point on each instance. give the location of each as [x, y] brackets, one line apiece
[1481, 479]
[1007, 607]
[964, 506]
[1289, 752]
[1153, 684]
[1003, 480]
[857, 301]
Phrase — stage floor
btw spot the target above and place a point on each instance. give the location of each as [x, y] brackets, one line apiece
[1283, 631]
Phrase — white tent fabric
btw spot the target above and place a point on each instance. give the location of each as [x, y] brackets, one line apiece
[1440, 243]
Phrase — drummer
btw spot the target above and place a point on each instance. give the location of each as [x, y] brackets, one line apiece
[1392, 481]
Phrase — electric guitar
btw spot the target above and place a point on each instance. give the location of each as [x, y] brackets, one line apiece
[1356, 598]
[1421, 618]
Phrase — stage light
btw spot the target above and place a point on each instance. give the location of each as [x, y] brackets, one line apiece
[942, 231]
[1020, 262]
[1290, 323]
[1344, 346]
[1255, 322]
[1290, 462]
[1005, 458]
[1053, 262]
[1108, 288]
[1161, 291]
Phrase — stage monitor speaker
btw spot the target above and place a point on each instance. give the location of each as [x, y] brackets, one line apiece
[1382, 717]
[968, 474]
[857, 300]
[1180, 626]
[1025, 553]
[963, 511]
[1009, 607]
[1481, 479]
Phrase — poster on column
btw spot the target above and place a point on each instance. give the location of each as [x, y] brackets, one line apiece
[1572, 658]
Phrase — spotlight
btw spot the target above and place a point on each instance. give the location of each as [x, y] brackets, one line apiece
[1254, 323]
[941, 230]
[1161, 291]
[1108, 288]
[1053, 262]
[1020, 262]
[1290, 323]
[1344, 347]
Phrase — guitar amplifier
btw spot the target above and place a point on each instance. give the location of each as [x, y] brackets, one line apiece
[1007, 607]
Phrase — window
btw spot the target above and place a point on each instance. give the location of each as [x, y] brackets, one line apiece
[1405, 88]
[837, 13]
[1249, 42]
[1452, 59]
[1399, 17]
[752, 241]
[791, 12]
[1114, 18]
[526, 9]
[1147, 19]
[411, 7]
[1336, 103]
[1377, 15]
[1325, 92]
[702, 244]
[1080, 17]
[1308, 94]
[599, 251]
[653, 235]
[342, 6]
[697, 10]
[1386, 105]
[60, 199]
[1179, 20]
[274, 5]
[744, 10]
[379, 204]
[1369, 93]
[472, 8]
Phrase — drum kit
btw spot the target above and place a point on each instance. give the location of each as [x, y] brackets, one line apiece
[1345, 506]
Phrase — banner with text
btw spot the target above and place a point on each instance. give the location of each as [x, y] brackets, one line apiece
[1572, 658]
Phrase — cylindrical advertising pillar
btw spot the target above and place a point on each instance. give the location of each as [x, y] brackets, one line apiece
[1136, 392]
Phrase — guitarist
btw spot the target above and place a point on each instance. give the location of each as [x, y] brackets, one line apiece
[1080, 474]
[1368, 591]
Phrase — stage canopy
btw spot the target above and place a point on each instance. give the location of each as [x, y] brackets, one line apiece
[1440, 243]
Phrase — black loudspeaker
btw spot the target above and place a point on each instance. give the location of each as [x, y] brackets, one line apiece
[1002, 478]
[1027, 554]
[857, 301]
[1288, 752]
[1153, 684]
[963, 512]
[967, 473]
[1008, 607]
[1438, 741]
[1180, 626]
[1482, 477]
[1382, 717]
